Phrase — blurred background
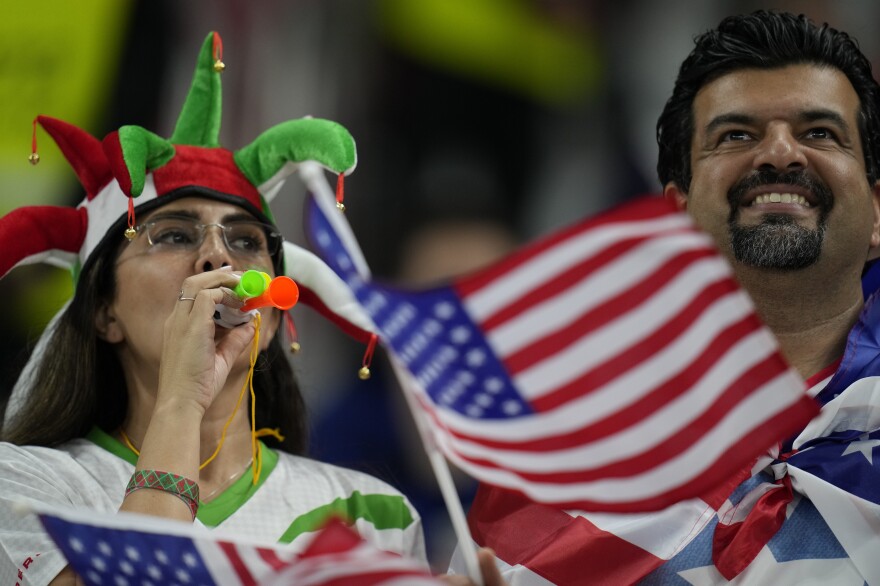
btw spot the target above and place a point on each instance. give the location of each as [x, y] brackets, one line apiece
[481, 125]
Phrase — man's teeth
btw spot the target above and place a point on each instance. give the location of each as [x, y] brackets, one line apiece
[781, 198]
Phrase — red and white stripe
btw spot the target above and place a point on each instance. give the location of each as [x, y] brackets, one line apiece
[360, 566]
[540, 545]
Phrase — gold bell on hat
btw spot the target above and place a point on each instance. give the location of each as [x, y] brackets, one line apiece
[34, 158]
[217, 52]
[364, 372]
[340, 192]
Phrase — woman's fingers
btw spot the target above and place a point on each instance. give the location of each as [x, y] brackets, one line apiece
[204, 302]
[488, 568]
[195, 360]
[210, 284]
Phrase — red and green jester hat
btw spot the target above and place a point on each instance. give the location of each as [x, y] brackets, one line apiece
[134, 170]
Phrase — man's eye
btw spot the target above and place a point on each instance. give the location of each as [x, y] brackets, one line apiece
[734, 135]
[820, 133]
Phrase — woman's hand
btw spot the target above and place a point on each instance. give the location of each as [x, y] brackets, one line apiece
[195, 362]
[196, 358]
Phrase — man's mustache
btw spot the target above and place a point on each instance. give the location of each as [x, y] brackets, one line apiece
[823, 198]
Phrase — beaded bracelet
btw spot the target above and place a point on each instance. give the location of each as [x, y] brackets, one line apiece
[183, 488]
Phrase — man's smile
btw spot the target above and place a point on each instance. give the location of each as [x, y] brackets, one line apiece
[775, 197]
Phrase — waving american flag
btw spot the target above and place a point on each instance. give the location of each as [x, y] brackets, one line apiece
[613, 366]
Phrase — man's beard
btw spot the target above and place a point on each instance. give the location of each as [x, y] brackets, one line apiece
[778, 242]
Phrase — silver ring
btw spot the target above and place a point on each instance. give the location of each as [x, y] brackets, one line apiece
[182, 298]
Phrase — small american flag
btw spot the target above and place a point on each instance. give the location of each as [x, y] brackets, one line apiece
[613, 366]
[132, 549]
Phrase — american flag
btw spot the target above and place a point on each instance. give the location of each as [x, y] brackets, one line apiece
[612, 366]
[133, 549]
[827, 483]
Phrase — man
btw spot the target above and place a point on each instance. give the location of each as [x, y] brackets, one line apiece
[771, 142]
[761, 123]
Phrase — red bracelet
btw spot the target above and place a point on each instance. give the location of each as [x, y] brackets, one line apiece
[183, 488]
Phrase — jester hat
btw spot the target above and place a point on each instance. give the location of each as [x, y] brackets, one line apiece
[133, 171]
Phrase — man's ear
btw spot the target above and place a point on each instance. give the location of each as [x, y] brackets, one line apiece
[874, 251]
[674, 194]
[106, 325]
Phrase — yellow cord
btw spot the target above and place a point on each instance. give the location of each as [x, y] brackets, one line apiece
[128, 443]
[248, 383]
[256, 454]
[274, 432]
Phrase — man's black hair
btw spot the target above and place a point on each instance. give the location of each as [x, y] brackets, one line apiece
[762, 40]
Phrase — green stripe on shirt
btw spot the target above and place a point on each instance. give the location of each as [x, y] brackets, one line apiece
[382, 510]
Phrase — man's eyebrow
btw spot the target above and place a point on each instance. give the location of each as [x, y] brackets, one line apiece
[814, 115]
[822, 114]
[731, 118]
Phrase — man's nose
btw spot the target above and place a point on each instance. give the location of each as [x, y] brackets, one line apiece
[780, 150]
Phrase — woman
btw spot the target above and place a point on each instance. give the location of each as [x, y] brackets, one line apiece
[135, 399]
[138, 401]
[150, 383]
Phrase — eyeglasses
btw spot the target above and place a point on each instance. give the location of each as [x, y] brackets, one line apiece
[242, 238]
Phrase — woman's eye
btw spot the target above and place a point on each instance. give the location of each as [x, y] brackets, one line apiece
[246, 243]
[172, 236]
[250, 244]
[246, 238]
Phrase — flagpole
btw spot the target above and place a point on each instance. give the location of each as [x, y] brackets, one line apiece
[313, 176]
[443, 475]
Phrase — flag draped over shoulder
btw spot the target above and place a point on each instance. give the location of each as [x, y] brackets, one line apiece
[613, 366]
[134, 549]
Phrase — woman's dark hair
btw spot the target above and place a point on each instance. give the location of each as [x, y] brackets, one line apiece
[80, 382]
[762, 40]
